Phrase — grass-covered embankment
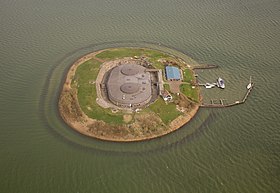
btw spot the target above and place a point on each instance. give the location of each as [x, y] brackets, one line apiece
[166, 111]
[83, 81]
[189, 91]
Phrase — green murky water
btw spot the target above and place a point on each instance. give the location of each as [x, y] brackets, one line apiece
[221, 150]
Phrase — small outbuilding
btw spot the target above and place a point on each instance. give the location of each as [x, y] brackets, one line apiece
[166, 95]
[172, 73]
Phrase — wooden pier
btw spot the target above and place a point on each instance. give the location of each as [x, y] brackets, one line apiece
[220, 103]
[204, 66]
[215, 103]
[205, 84]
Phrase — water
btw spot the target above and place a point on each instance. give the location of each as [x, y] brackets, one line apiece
[220, 150]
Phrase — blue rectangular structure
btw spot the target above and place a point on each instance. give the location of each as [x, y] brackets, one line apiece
[172, 73]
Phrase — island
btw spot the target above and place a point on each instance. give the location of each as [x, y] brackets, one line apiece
[128, 94]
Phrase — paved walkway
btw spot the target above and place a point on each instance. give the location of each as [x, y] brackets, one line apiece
[98, 59]
[174, 86]
[104, 68]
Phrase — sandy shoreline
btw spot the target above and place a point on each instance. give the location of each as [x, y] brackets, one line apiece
[81, 122]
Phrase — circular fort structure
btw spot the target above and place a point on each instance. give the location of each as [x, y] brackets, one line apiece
[123, 94]
[129, 85]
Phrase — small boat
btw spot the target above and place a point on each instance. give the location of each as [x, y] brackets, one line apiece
[221, 83]
[208, 85]
[250, 84]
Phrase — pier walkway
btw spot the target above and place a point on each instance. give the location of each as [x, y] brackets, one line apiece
[221, 103]
[204, 66]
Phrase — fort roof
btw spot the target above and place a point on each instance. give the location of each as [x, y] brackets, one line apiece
[129, 84]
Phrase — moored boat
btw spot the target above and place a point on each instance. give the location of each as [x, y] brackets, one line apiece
[208, 85]
[250, 84]
[221, 83]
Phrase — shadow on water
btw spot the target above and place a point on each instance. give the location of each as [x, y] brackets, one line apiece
[150, 146]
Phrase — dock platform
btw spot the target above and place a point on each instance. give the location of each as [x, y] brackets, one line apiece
[221, 103]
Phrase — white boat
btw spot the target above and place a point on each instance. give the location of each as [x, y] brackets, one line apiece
[221, 83]
[250, 84]
[208, 85]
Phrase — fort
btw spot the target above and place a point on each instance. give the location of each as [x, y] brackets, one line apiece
[133, 94]
[128, 84]
[128, 94]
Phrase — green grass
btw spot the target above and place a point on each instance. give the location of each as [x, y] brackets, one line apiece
[87, 93]
[188, 91]
[167, 112]
[87, 71]
[130, 52]
[87, 98]
[154, 56]
[166, 87]
[119, 53]
[188, 76]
